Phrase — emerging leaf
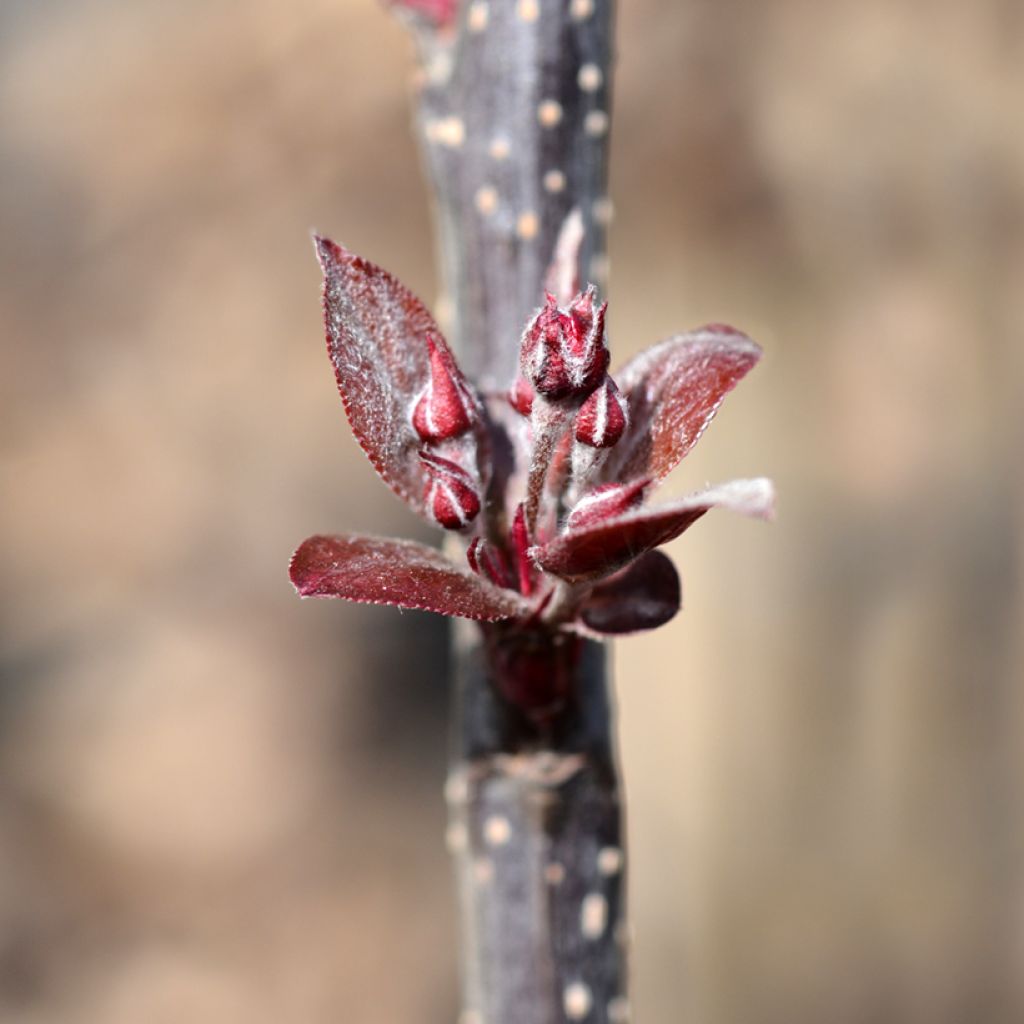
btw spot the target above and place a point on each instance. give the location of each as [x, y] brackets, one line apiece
[451, 494]
[563, 277]
[375, 570]
[380, 338]
[602, 547]
[673, 392]
[606, 502]
[645, 595]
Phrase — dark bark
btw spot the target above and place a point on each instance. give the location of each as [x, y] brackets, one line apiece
[536, 830]
[513, 117]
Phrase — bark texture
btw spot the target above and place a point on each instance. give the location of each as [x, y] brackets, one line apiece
[513, 116]
[536, 830]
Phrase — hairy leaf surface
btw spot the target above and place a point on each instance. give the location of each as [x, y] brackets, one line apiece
[376, 570]
[377, 340]
[673, 391]
[605, 546]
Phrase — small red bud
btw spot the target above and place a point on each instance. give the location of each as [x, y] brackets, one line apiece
[443, 410]
[563, 352]
[488, 561]
[451, 493]
[606, 501]
[521, 396]
[602, 417]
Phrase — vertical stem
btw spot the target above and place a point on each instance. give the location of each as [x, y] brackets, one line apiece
[513, 117]
[536, 832]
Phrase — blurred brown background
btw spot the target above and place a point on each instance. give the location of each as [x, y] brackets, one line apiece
[221, 805]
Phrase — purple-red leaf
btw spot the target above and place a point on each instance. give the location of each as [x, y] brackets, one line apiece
[377, 338]
[644, 595]
[376, 570]
[673, 391]
[603, 547]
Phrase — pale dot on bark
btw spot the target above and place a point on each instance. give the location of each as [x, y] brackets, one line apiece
[527, 225]
[618, 1010]
[483, 870]
[444, 311]
[576, 1000]
[456, 787]
[439, 70]
[486, 199]
[554, 874]
[549, 113]
[499, 149]
[603, 211]
[593, 915]
[596, 123]
[447, 131]
[456, 838]
[528, 10]
[590, 78]
[554, 181]
[581, 9]
[476, 16]
[609, 861]
[470, 1017]
[497, 830]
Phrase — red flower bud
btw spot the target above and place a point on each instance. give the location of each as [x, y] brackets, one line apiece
[443, 411]
[521, 396]
[602, 418]
[451, 494]
[607, 501]
[563, 352]
[488, 561]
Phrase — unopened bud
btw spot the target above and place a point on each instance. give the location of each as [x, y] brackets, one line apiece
[607, 501]
[451, 493]
[520, 397]
[488, 561]
[602, 418]
[443, 411]
[563, 352]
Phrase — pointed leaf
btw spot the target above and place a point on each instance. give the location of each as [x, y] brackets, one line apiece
[603, 547]
[377, 570]
[673, 392]
[645, 595]
[563, 273]
[377, 338]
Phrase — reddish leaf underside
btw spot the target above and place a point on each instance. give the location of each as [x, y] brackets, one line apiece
[377, 340]
[606, 546]
[376, 570]
[645, 595]
[674, 390]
